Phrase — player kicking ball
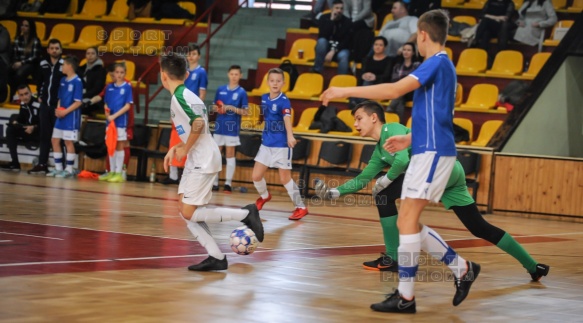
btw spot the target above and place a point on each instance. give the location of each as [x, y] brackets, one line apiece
[189, 117]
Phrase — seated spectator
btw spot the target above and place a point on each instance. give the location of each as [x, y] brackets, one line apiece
[533, 17]
[418, 7]
[399, 31]
[360, 13]
[93, 76]
[26, 54]
[378, 67]
[405, 64]
[139, 9]
[54, 6]
[5, 53]
[157, 9]
[22, 126]
[333, 40]
[495, 23]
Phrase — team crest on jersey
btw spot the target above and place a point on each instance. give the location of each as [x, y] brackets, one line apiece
[274, 107]
[180, 130]
[235, 96]
[70, 88]
[172, 115]
[193, 76]
[122, 91]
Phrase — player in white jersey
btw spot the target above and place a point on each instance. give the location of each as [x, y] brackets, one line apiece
[189, 116]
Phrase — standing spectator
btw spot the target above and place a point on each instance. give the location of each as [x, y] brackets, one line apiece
[319, 7]
[406, 63]
[93, 76]
[4, 61]
[495, 22]
[402, 29]
[534, 17]
[24, 126]
[333, 39]
[378, 67]
[26, 54]
[48, 91]
[360, 13]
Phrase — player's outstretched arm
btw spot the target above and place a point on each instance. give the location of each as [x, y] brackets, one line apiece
[374, 92]
[397, 143]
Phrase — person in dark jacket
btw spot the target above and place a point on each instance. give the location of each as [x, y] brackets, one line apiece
[495, 23]
[5, 52]
[93, 75]
[26, 54]
[333, 39]
[22, 126]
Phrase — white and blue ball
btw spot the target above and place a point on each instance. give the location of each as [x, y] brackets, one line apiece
[243, 241]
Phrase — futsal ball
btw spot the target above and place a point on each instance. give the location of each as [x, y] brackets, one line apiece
[243, 241]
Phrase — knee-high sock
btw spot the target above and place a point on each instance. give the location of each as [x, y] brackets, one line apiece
[173, 173]
[112, 162]
[261, 188]
[58, 161]
[202, 234]
[231, 164]
[294, 193]
[409, 249]
[119, 156]
[391, 235]
[513, 248]
[70, 162]
[433, 244]
[221, 214]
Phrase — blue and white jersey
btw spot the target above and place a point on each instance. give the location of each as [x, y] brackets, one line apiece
[69, 92]
[433, 104]
[197, 80]
[228, 124]
[274, 110]
[116, 97]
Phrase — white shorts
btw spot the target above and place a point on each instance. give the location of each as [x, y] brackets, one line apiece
[196, 187]
[122, 134]
[71, 135]
[275, 157]
[427, 176]
[229, 141]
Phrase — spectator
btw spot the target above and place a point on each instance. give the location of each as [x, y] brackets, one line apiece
[48, 91]
[333, 39]
[360, 13]
[533, 17]
[93, 77]
[24, 126]
[402, 29]
[139, 8]
[405, 65]
[5, 53]
[54, 6]
[495, 22]
[378, 67]
[418, 7]
[319, 7]
[26, 54]
[157, 9]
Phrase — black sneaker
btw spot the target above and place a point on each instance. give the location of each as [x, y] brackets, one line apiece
[395, 304]
[227, 189]
[10, 167]
[384, 263]
[253, 221]
[462, 286]
[541, 270]
[39, 170]
[169, 181]
[210, 263]
[215, 188]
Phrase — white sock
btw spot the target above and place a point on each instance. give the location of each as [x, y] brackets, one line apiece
[70, 162]
[173, 172]
[231, 164]
[119, 155]
[220, 214]
[112, 161]
[433, 244]
[261, 188]
[216, 182]
[294, 193]
[409, 249]
[58, 161]
[202, 234]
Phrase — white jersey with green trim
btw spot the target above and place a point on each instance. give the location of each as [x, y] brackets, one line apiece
[185, 107]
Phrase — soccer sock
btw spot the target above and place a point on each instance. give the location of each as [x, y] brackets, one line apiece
[409, 249]
[119, 156]
[433, 244]
[294, 193]
[513, 248]
[70, 162]
[173, 173]
[216, 182]
[231, 164]
[391, 235]
[58, 161]
[112, 162]
[261, 188]
[202, 234]
[126, 156]
[221, 214]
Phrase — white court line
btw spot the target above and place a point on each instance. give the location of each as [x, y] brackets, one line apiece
[29, 235]
[5, 240]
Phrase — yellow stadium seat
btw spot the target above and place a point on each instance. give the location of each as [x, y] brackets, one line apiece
[151, 41]
[449, 53]
[92, 9]
[482, 97]
[552, 41]
[264, 87]
[459, 95]
[11, 26]
[409, 122]
[391, 117]
[308, 45]
[388, 17]
[251, 120]
[470, 20]
[466, 124]
[508, 63]
[559, 4]
[119, 40]
[348, 119]
[63, 32]
[188, 6]
[90, 36]
[537, 62]
[474, 4]
[487, 131]
[41, 30]
[118, 12]
[518, 3]
[576, 7]
[342, 81]
[72, 9]
[306, 120]
[452, 3]
[472, 61]
[307, 86]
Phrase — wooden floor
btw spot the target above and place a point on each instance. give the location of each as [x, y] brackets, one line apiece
[84, 251]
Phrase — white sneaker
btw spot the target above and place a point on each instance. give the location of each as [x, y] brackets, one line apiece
[53, 173]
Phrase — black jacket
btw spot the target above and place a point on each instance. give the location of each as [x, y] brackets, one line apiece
[336, 31]
[28, 114]
[49, 82]
[93, 79]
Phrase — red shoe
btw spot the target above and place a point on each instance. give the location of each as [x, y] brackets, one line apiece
[298, 214]
[261, 201]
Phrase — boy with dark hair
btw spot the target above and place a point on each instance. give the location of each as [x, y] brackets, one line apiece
[190, 119]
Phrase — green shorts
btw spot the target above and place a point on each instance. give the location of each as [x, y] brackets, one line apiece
[456, 192]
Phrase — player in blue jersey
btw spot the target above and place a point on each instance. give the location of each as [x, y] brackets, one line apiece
[231, 101]
[118, 101]
[277, 144]
[68, 118]
[433, 153]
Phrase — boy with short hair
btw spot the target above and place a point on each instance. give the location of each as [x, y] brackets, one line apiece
[68, 118]
[277, 144]
[190, 119]
[231, 100]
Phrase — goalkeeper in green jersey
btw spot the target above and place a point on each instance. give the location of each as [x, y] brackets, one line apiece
[370, 122]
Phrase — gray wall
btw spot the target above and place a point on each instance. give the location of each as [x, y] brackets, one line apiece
[554, 125]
